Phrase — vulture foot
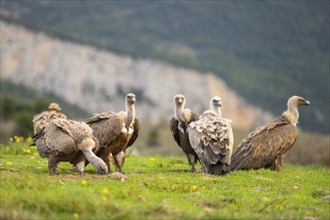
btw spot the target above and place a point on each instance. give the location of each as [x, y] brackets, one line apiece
[193, 169]
[52, 172]
[119, 170]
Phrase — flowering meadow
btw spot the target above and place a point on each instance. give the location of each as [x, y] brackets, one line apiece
[156, 187]
[20, 145]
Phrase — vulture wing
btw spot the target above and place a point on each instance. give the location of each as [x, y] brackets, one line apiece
[58, 141]
[62, 135]
[210, 138]
[174, 126]
[99, 117]
[262, 146]
[106, 127]
[40, 120]
[137, 127]
[194, 117]
[39, 141]
[180, 133]
[75, 129]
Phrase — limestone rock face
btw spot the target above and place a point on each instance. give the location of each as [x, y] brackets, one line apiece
[98, 80]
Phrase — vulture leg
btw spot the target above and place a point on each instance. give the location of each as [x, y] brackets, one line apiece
[53, 160]
[119, 161]
[278, 163]
[52, 165]
[192, 161]
[80, 167]
[79, 162]
[105, 155]
[225, 169]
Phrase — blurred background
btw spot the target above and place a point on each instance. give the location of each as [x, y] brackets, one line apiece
[87, 55]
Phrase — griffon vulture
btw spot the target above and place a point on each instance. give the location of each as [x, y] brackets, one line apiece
[212, 139]
[267, 145]
[179, 124]
[40, 120]
[115, 132]
[66, 140]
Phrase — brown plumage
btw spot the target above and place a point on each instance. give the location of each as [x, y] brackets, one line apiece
[267, 145]
[40, 120]
[66, 140]
[179, 124]
[115, 132]
[211, 137]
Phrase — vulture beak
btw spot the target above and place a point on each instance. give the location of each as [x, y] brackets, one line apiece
[101, 167]
[101, 171]
[305, 102]
[97, 162]
[180, 101]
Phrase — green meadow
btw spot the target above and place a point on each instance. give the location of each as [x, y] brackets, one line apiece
[157, 187]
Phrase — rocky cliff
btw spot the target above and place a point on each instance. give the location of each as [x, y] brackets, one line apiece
[98, 80]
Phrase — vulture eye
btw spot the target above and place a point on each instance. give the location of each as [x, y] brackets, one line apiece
[301, 100]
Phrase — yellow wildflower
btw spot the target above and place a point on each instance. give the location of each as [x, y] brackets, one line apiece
[76, 215]
[29, 139]
[83, 182]
[193, 187]
[152, 159]
[278, 206]
[105, 191]
[28, 151]
[17, 139]
[104, 198]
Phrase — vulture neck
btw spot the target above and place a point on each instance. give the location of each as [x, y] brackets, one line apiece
[179, 113]
[216, 110]
[130, 115]
[291, 114]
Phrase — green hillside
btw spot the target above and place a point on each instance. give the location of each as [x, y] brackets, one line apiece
[265, 50]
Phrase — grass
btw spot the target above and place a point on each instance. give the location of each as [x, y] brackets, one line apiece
[157, 187]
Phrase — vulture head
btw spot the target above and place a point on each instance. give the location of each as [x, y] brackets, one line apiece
[216, 104]
[292, 113]
[296, 101]
[130, 99]
[86, 145]
[216, 101]
[180, 113]
[179, 101]
[54, 106]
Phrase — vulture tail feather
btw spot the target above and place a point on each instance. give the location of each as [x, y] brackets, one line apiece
[218, 169]
[239, 157]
